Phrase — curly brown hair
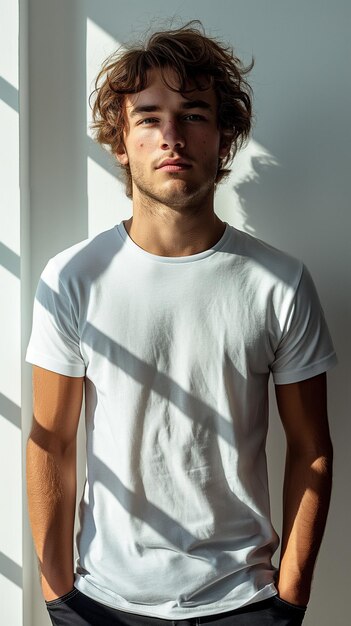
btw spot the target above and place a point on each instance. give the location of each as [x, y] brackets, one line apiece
[197, 59]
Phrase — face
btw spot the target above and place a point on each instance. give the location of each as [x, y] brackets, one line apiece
[171, 144]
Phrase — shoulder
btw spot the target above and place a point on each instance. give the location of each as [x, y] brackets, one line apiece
[266, 261]
[83, 261]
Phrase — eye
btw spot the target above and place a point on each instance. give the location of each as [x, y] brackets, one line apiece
[195, 117]
[148, 120]
[192, 117]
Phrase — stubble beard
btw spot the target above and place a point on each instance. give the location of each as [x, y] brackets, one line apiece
[181, 196]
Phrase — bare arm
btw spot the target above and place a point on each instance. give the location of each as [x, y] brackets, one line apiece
[51, 476]
[307, 484]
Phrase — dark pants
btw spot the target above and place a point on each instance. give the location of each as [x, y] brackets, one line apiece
[77, 609]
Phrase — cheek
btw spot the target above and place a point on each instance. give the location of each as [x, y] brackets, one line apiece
[208, 147]
[209, 142]
[143, 144]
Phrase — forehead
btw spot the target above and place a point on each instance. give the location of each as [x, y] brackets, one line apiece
[160, 91]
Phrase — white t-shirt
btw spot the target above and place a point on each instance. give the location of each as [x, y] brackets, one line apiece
[177, 352]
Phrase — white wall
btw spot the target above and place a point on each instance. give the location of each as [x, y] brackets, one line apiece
[12, 528]
[288, 187]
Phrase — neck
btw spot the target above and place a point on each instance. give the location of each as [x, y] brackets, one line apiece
[174, 232]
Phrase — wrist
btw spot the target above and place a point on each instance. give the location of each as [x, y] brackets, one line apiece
[56, 588]
[297, 594]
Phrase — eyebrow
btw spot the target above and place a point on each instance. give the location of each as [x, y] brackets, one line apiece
[189, 104]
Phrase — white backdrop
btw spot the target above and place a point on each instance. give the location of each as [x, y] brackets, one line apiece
[289, 187]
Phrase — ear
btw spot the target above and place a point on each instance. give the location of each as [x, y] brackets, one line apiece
[224, 145]
[121, 154]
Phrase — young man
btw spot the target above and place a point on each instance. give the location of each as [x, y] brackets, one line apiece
[173, 322]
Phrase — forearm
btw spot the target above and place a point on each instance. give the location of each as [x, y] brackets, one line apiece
[307, 487]
[51, 489]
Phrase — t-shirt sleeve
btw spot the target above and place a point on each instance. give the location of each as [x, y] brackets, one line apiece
[54, 342]
[305, 348]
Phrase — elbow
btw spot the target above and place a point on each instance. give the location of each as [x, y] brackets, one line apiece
[327, 454]
[321, 460]
[323, 464]
[317, 455]
[50, 442]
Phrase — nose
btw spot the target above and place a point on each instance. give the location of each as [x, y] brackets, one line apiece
[172, 136]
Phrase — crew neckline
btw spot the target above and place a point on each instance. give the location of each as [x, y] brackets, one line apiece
[191, 258]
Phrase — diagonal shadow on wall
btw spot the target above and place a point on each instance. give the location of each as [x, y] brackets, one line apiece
[9, 94]
[10, 411]
[10, 260]
[10, 570]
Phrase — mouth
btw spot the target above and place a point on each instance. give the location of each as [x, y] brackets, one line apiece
[174, 165]
[174, 168]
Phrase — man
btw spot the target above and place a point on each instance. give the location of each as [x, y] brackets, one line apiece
[173, 322]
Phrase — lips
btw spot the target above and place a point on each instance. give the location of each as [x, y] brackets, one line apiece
[173, 164]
